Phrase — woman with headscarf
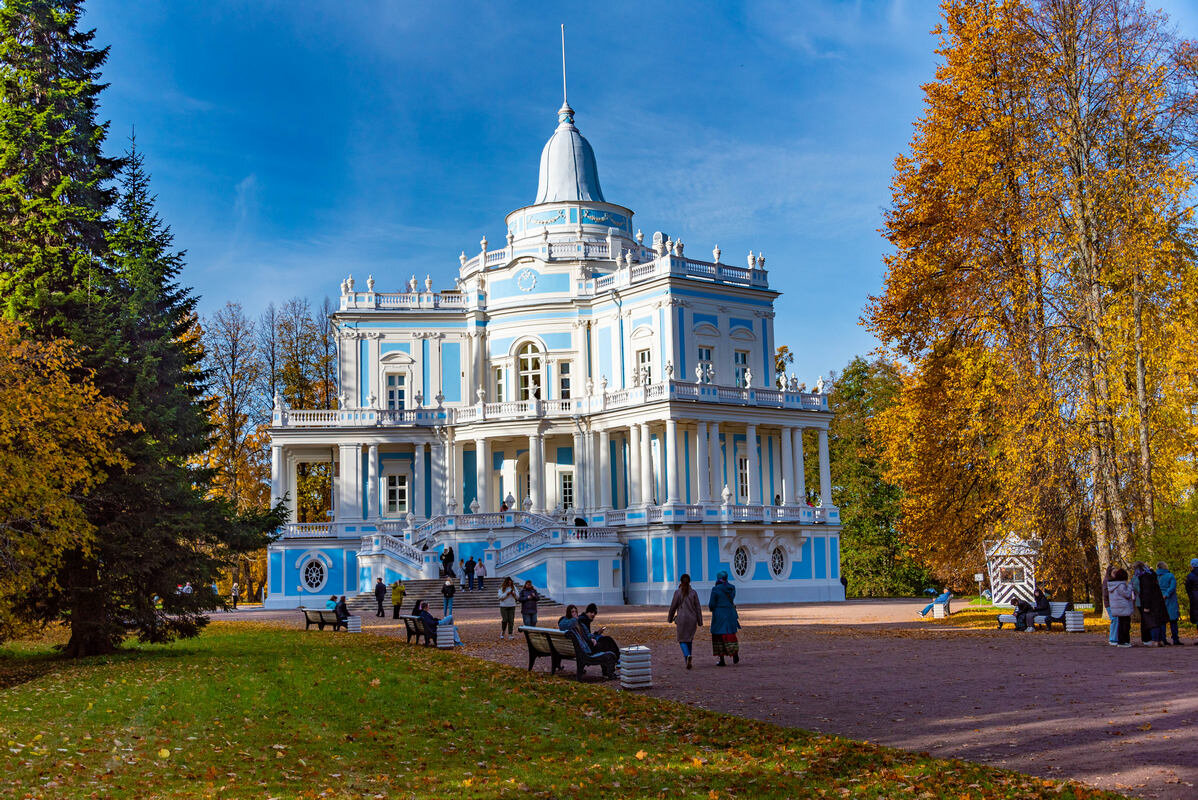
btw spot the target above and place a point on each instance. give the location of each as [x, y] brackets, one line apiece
[724, 622]
[686, 614]
[1168, 584]
[1192, 590]
[1153, 614]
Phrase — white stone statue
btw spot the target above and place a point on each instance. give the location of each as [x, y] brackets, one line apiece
[669, 246]
[669, 370]
[748, 377]
[451, 505]
[527, 504]
[603, 382]
[711, 373]
[410, 518]
[780, 380]
[462, 258]
[678, 246]
[727, 495]
[279, 404]
[590, 387]
[640, 237]
[511, 237]
[715, 254]
[372, 400]
[636, 377]
[752, 259]
[819, 385]
[344, 288]
[698, 373]
[481, 394]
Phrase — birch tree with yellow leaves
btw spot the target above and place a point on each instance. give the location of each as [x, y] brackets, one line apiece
[1042, 286]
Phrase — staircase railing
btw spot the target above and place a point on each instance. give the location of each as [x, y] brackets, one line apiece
[396, 548]
[554, 537]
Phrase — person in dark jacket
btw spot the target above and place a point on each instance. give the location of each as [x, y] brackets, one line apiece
[1168, 583]
[468, 568]
[568, 620]
[447, 591]
[724, 621]
[599, 642]
[1040, 608]
[528, 604]
[430, 624]
[342, 610]
[380, 594]
[447, 561]
[1192, 591]
[1153, 614]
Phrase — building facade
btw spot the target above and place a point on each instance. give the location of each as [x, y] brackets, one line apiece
[585, 409]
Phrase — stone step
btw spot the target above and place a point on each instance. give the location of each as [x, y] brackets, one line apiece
[430, 590]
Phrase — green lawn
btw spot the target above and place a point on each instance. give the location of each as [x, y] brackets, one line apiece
[257, 711]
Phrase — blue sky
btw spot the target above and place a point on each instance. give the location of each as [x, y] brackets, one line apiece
[293, 143]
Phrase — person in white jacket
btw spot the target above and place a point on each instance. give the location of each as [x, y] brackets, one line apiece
[1123, 601]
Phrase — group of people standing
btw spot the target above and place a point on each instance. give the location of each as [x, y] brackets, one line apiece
[472, 570]
[687, 617]
[1154, 594]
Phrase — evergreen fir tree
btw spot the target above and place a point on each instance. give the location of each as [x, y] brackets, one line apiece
[54, 180]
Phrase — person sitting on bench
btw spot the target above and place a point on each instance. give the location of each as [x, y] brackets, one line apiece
[1042, 608]
[331, 603]
[597, 641]
[430, 623]
[607, 660]
[342, 610]
[943, 597]
[569, 619]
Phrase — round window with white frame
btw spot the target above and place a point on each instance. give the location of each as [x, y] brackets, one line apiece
[314, 575]
[740, 562]
[778, 561]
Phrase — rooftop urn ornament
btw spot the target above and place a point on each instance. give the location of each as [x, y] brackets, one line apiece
[698, 373]
[727, 495]
[669, 245]
[428, 283]
[761, 261]
[419, 398]
[440, 398]
[659, 242]
[715, 254]
[451, 505]
[640, 237]
[511, 237]
[349, 283]
[527, 504]
[669, 370]
[462, 259]
[711, 373]
[370, 283]
[474, 506]
[279, 405]
[510, 502]
[410, 518]
[344, 288]
[752, 259]
[590, 386]
[483, 243]
[603, 382]
[412, 284]
[372, 400]
[678, 248]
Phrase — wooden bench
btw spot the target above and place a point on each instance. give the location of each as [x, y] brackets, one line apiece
[321, 617]
[1056, 614]
[564, 646]
[414, 627]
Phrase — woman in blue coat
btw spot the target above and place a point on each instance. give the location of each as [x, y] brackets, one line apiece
[724, 622]
[1168, 583]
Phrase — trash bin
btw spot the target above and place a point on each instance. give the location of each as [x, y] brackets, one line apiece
[636, 668]
[1075, 621]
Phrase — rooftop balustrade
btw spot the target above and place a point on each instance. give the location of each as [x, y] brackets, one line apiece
[509, 410]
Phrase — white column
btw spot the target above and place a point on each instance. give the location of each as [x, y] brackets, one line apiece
[372, 482]
[716, 468]
[702, 463]
[278, 478]
[754, 474]
[417, 503]
[604, 472]
[635, 489]
[825, 472]
[349, 483]
[482, 472]
[457, 480]
[536, 472]
[800, 469]
[442, 487]
[649, 481]
[670, 452]
[582, 472]
[788, 468]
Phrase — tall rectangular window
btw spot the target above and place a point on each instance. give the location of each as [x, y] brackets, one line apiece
[704, 364]
[740, 364]
[499, 384]
[567, 494]
[396, 499]
[396, 391]
[563, 369]
[644, 363]
[742, 479]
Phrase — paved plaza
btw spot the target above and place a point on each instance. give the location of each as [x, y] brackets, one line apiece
[1051, 704]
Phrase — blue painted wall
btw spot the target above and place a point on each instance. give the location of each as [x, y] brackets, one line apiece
[470, 480]
[696, 558]
[582, 574]
[638, 561]
[451, 371]
[802, 567]
[658, 565]
[539, 575]
[821, 557]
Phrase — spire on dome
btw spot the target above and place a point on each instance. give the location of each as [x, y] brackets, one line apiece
[568, 169]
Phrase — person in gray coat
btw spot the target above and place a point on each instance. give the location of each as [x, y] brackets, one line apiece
[686, 614]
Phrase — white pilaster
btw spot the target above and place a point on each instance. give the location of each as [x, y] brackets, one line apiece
[754, 465]
[372, 482]
[603, 474]
[580, 471]
[418, 478]
[716, 467]
[800, 469]
[788, 467]
[670, 453]
[635, 487]
[825, 471]
[349, 483]
[702, 464]
[649, 482]
[278, 477]
[536, 472]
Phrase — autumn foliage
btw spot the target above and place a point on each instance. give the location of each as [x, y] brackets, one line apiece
[1042, 286]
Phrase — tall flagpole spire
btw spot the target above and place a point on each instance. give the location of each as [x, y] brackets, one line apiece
[564, 64]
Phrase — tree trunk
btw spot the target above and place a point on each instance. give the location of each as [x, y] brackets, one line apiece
[1148, 492]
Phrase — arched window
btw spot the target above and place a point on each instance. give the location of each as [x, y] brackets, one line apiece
[529, 364]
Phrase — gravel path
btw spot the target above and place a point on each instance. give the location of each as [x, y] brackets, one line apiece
[1051, 704]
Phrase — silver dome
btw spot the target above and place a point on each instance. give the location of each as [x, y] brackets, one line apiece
[568, 170]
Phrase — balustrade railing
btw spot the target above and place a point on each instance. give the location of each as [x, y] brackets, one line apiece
[382, 542]
[306, 530]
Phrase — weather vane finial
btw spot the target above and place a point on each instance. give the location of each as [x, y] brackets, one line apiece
[564, 64]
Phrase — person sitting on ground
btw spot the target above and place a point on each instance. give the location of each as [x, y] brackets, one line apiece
[331, 603]
[569, 619]
[342, 610]
[943, 597]
[596, 638]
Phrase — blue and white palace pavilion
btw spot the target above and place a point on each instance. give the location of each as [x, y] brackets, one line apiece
[586, 409]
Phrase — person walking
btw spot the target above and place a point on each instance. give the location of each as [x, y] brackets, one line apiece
[480, 572]
[380, 594]
[1113, 634]
[686, 614]
[528, 604]
[507, 609]
[398, 592]
[1153, 614]
[724, 621]
[235, 594]
[468, 568]
[1168, 583]
[1192, 591]
[1122, 603]
[447, 591]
